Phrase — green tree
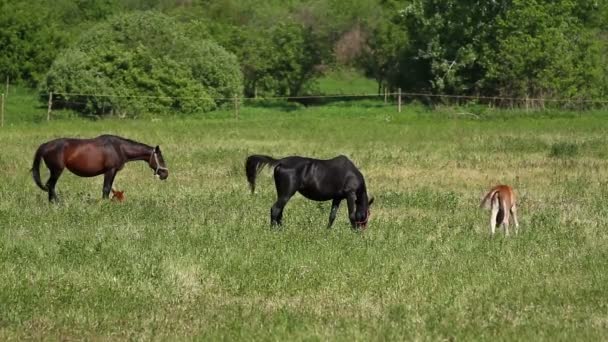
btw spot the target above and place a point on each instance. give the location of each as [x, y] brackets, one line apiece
[519, 48]
[446, 39]
[546, 49]
[277, 61]
[387, 41]
[29, 40]
[143, 62]
[295, 55]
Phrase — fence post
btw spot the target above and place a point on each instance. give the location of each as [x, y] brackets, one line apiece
[2, 111]
[385, 94]
[48, 112]
[7, 81]
[399, 101]
[236, 106]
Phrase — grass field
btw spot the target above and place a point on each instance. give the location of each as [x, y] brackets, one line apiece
[194, 256]
[346, 82]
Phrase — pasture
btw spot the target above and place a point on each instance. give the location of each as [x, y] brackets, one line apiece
[195, 257]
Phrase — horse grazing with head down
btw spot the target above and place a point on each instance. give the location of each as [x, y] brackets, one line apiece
[106, 154]
[319, 180]
[118, 196]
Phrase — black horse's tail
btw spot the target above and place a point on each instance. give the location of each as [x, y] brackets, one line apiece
[36, 168]
[254, 164]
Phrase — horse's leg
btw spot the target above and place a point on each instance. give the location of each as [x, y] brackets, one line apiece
[495, 208]
[50, 184]
[514, 213]
[286, 188]
[276, 212]
[506, 218]
[108, 180]
[350, 201]
[335, 204]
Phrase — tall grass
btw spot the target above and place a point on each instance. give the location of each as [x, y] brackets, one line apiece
[23, 105]
[195, 257]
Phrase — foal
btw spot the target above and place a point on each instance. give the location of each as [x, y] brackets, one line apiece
[319, 180]
[501, 199]
[118, 196]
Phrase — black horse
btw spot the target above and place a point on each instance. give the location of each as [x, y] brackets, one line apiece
[106, 154]
[319, 180]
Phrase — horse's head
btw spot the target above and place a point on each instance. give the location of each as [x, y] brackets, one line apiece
[118, 195]
[157, 163]
[362, 212]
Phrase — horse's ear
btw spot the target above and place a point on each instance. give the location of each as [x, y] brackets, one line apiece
[371, 200]
[157, 149]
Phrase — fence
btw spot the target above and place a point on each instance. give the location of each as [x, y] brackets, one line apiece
[58, 99]
[396, 99]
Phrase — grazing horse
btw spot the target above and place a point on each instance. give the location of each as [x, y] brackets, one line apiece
[501, 199]
[319, 180]
[106, 154]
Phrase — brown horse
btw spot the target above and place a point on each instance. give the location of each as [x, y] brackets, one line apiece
[501, 199]
[106, 154]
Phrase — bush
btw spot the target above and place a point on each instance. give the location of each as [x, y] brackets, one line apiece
[140, 63]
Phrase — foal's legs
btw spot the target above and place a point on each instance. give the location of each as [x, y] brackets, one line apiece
[286, 188]
[495, 208]
[50, 184]
[506, 218]
[335, 204]
[514, 213]
[108, 180]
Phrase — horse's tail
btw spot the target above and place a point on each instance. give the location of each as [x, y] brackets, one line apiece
[254, 164]
[485, 202]
[36, 168]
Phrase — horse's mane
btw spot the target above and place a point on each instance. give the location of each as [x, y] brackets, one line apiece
[110, 136]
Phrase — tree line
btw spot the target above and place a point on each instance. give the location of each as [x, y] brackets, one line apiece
[214, 48]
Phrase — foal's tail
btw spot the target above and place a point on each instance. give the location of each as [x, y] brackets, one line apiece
[36, 168]
[487, 200]
[254, 164]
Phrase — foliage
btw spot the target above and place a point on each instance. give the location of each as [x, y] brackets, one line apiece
[295, 64]
[509, 48]
[445, 48]
[280, 60]
[29, 40]
[138, 56]
[544, 50]
[506, 48]
[382, 59]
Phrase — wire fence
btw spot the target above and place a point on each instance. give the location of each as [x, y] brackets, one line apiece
[396, 99]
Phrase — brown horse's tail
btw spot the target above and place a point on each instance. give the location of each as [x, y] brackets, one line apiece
[485, 202]
[254, 164]
[36, 168]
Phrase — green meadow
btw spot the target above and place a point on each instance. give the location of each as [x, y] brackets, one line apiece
[194, 256]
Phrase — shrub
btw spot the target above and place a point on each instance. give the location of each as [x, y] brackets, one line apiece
[142, 62]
